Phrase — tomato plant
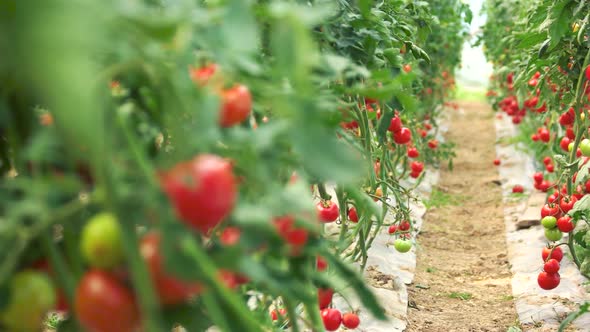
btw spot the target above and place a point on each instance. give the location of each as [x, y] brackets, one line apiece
[160, 155]
[541, 57]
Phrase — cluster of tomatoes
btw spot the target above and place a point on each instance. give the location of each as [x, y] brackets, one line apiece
[403, 243]
[561, 201]
[549, 277]
[236, 101]
[332, 317]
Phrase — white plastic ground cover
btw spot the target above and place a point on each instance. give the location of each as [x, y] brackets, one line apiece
[538, 309]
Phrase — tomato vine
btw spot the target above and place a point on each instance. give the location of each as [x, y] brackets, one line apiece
[172, 152]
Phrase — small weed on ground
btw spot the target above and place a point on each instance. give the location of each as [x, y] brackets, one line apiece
[507, 298]
[439, 198]
[461, 296]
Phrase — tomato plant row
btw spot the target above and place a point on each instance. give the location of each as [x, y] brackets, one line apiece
[541, 52]
[178, 162]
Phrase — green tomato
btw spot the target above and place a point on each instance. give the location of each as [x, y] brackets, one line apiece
[31, 296]
[553, 234]
[402, 245]
[549, 222]
[101, 242]
[570, 147]
[585, 147]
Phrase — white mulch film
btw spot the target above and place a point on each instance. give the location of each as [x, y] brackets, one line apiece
[533, 304]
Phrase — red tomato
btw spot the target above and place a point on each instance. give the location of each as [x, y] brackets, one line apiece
[417, 166]
[203, 74]
[353, 215]
[551, 266]
[557, 254]
[567, 203]
[433, 144]
[548, 281]
[395, 125]
[103, 303]
[547, 160]
[567, 118]
[327, 211]
[404, 226]
[544, 134]
[497, 162]
[538, 177]
[403, 136]
[231, 279]
[332, 319]
[549, 210]
[325, 297]
[407, 68]
[415, 175]
[295, 236]
[170, 289]
[569, 132]
[587, 72]
[350, 320]
[203, 191]
[533, 82]
[517, 189]
[553, 198]
[230, 236]
[413, 153]
[237, 105]
[321, 264]
[550, 168]
[544, 186]
[392, 229]
[564, 143]
[274, 315]
[516, 119]
[565, 224]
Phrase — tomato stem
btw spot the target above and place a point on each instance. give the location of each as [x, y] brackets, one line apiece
[323, 193]
[143, 286]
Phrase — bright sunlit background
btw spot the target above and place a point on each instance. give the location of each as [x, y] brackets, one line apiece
[476, 70]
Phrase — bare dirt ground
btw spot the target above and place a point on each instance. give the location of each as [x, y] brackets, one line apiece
[462, 277]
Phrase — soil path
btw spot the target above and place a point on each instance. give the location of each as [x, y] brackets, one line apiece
[463, 281]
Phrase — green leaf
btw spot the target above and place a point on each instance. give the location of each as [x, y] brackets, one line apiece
[584, 308]
[4, 295]
[581, 205]
[365, 7]
[419, 53]
[543, 49]
[531, 40]
[324, 156]
[239, 28]
[190, 316]
[558, 21]
[356, 282]
[384, 125]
